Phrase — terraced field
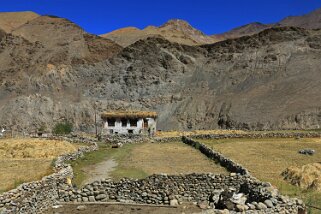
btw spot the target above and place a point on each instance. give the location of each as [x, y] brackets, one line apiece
[24, 160]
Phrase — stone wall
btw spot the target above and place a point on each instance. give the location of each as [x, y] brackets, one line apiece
[34, 197]
[38, 196]
[260, 195]
[202, 189]
[229, 164]
[155, 189]
[259, 135]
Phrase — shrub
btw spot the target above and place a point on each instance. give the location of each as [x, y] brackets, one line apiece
[62, 128]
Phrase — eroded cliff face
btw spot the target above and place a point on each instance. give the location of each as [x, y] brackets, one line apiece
[269, 80]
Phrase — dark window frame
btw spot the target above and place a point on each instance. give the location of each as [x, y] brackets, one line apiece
[133, 122]
[111, 122]
[124, 122]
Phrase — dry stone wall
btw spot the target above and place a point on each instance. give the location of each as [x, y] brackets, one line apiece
[206, 189]
[259, 135]
[229, 164]
[155, 189]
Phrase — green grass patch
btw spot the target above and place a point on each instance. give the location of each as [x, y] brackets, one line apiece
[105, 152]
[88, 159]
[124, 172]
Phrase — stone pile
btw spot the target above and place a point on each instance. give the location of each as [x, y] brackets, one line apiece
[307, 151]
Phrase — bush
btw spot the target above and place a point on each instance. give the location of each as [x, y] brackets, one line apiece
[62, 128]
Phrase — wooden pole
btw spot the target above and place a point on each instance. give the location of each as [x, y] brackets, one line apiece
[96, 130]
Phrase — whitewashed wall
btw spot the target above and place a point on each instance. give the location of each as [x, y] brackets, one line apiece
[139, 129]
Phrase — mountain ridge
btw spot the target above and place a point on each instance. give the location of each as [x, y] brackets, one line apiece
[196, 37]
[52, 70]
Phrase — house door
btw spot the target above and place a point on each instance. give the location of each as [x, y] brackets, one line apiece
[145, 124]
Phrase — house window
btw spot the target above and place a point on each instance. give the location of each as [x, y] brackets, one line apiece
[111, 122]
[133, 122]
[130, 131]
[124, 123]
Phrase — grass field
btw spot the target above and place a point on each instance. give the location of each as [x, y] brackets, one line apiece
[141, 160]
[266, 159]
[24, 160]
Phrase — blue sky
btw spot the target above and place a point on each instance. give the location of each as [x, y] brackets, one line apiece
[210, 16]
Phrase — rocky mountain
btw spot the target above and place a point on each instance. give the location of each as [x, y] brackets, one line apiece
[52, 70]
[310, 21]
[182, 32]
[245, 30]
[11, 20]
[174, 30]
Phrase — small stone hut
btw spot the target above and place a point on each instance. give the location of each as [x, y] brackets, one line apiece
[129, 122]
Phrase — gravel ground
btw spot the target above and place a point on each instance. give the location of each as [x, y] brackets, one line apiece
[100, 171]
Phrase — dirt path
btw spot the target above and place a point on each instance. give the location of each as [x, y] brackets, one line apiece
[99, 171]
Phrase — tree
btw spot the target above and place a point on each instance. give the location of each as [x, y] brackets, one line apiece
[62, 128]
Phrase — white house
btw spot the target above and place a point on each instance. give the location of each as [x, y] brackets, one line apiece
[2, 132]
[129, 122]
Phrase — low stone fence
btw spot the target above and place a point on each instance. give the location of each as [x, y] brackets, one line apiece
[34, 197]
[125, 139]
[229, 164]
[203, 189]
[167, 139]
[38, 196]
[131, 139]
[259, 135]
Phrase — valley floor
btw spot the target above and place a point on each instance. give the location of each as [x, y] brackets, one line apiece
[141, 160]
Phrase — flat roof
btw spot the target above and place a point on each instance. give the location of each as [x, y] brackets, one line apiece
[128, 114]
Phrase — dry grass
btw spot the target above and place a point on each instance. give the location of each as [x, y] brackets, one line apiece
[306, 177]
[196, 132]
[24, 160]
[33, 148]
[129, 114]
[169, 158]
[266, 159]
